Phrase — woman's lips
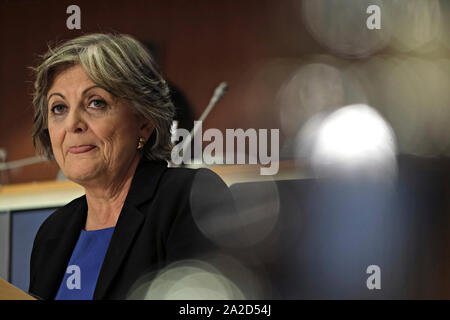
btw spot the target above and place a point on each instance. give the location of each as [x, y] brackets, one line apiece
[81, 149]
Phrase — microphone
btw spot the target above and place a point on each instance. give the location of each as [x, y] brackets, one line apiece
[218, 94]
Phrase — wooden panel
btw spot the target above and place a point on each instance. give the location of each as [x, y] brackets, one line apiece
[9, 292]
[37, 195]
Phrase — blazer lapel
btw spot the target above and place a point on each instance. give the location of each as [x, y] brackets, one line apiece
[130, 220]
[142, 188]
[58, 249]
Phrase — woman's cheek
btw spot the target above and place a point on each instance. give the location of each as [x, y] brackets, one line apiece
[57, 139]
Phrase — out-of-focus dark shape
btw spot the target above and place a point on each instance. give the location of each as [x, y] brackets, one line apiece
[216, 215]
[329, 231]
[183, 109]
[258, 207]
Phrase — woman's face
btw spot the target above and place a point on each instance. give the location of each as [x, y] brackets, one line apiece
[93, 134]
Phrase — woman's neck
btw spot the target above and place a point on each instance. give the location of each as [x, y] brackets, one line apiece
[106, 199]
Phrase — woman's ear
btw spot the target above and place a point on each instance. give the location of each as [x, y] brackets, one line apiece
[145, 129]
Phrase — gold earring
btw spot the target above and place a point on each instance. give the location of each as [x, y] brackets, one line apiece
[141, 143]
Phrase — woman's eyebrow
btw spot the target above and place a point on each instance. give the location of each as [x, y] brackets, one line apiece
[87, 89]
[83, 93]
[55, 94]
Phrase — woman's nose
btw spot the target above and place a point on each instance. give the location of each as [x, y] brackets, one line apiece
[75, 122]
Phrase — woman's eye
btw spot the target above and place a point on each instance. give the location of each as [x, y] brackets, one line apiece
[58, 109]
[97, 103]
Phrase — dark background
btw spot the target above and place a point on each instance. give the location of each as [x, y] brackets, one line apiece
[200, 44]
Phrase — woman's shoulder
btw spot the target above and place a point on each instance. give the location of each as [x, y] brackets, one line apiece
[57, 221]
[191, 174]
[192, 181]
[178, 177]
[203, 187]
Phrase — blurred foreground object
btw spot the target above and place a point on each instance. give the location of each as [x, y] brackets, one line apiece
[313, 238]
[330, 230]
[352, 141]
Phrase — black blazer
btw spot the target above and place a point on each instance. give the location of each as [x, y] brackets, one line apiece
[155, 227]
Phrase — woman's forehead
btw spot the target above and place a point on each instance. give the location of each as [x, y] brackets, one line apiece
[68, 74]
[71, 78]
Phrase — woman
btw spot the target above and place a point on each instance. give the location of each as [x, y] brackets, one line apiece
[103, 112]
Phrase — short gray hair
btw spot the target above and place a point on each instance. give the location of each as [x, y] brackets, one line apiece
[121, 65]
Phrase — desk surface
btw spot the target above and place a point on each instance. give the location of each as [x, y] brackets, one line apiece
[51, 194]
[10, 292]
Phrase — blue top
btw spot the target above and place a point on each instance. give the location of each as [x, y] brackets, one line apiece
[81, 275]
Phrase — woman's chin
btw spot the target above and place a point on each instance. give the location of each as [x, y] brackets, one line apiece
[80, 175]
